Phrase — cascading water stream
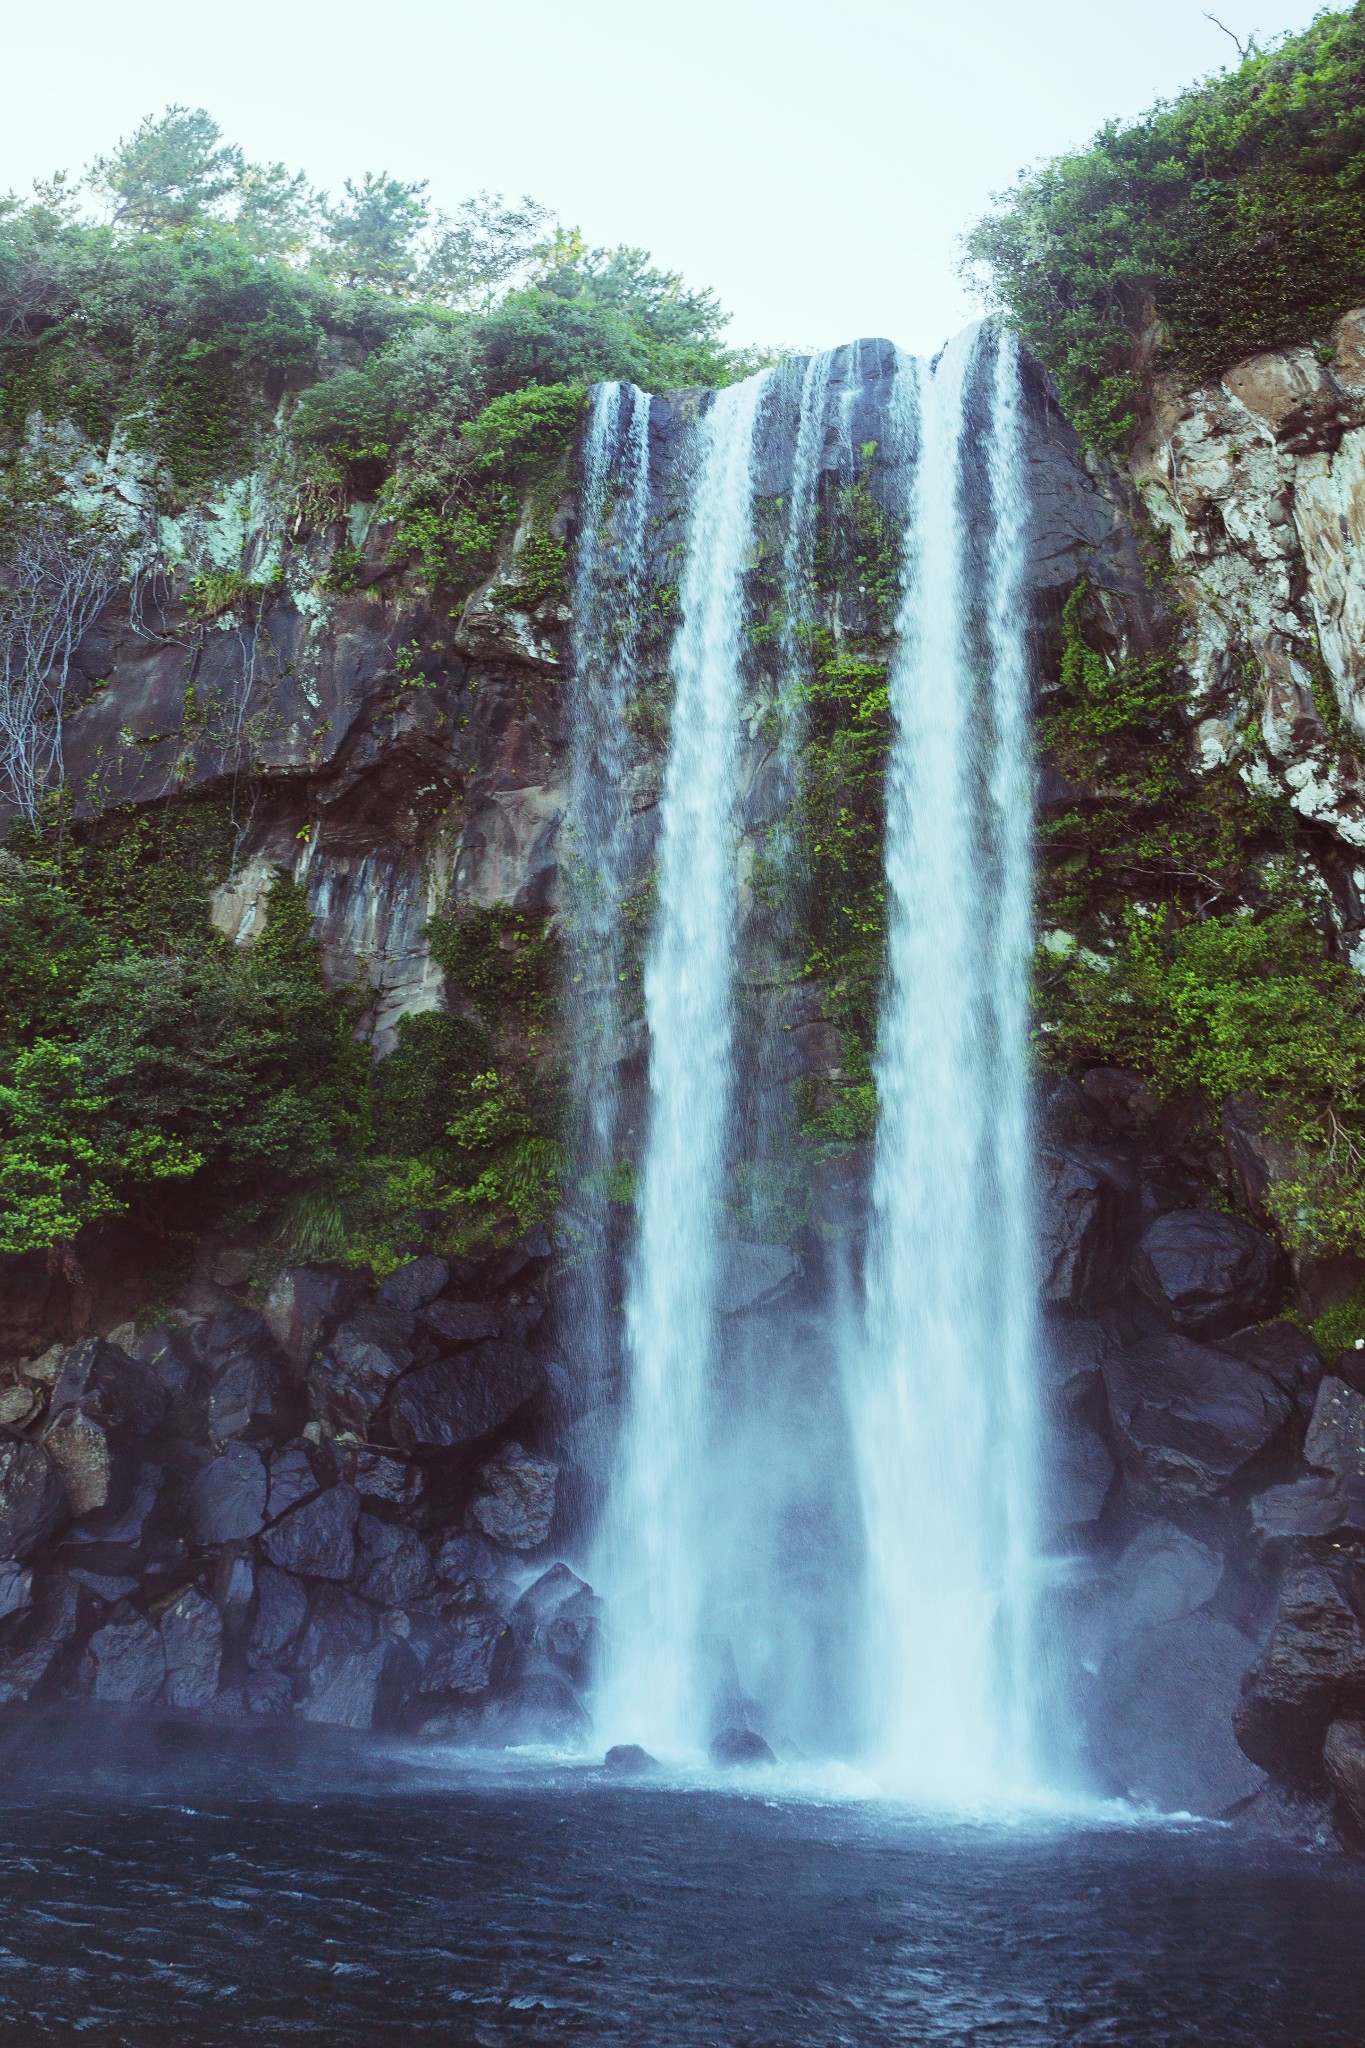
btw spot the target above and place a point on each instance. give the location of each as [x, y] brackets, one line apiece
[653, 1566]
[940, 1386]
[608, 592]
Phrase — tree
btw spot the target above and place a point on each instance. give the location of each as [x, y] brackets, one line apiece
[482, 248]
[372, 236]
[170, 172]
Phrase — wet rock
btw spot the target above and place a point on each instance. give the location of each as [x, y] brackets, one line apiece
[540, 1708]
[458, 1400]
[53, 1630]
[94, 1469]
[467, 1559]
[292, 1481]
[1336, 1434]
[227, 1500]
[268, 1693]
[1079, 1474]
[1162, 1575]
[752, 1275]
[349, 1383]
[514, 1501]
[317, 1540]
[281, 1610]
[1087, 1223]
[33, 1503]
[412, 1286]
[392, 1563]
[129, 1660]
[1343, 1756]
[1311, 1672]
[16, 1588]
[337, 1625]
[302, 1301]
[542, 1600]
[559, 1615]
[470, 1650]
[733, 1746]
[628, 1760]
[102, 1383]
[342, 1692]
[247, 1399]
[192, 1642]
[1187, 1417]
[524, 1259]
[126, 1523]
[1292, 1359]
[1072, 1351]
[1160, 1718]
[376, 1477]
[1314, 1506]
[459, 1323]
[1206, 1273]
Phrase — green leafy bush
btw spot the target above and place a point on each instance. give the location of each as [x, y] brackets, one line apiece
[1236, 213]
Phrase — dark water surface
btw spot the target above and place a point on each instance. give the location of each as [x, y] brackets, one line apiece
[165, 1888]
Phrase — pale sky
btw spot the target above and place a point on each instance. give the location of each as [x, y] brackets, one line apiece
[815, 164]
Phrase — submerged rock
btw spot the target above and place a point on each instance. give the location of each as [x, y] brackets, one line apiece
[628, 1760]
[740, 1746]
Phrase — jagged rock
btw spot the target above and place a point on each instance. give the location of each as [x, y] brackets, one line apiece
[377, 1477]
[458, 1400]
[524, 1259]
[109, 1388]
[1160, 1718]
[559, 1615]
[269, 1693]
[227, 1500]
[540, 1708]
[234, 1591]
[281, 1610]
[732, 1746]
[542, 1600]
[1072, 1350]
[350, 1382]
[1087, 1222]
[1292, 1359]
[515, 1498]
[192, 1640]
[467, 1559]
[1313, 1506]
[94, 1470]
[413, 1285]
[1336, 1434]
[302, 1301]
[292, 1480]
[341, 1692]
[1187, 1417]
[628, 1760]
[16, 1588]
[459, 1323]
[247, 1399]
[1079, 1474]
[55, 1626]
[392, 1564]
[126, 1523]
[337, 1624]
[170, 1355]
[471, 1648]
[752, 1275]
[317, 1540]
[33, 1504]
[129, 1660]
[1343, 1756]
[1208, 1274]
[1163, 1575]
[1312, 1670]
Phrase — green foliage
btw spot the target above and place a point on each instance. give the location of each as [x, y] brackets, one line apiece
[430, 1068]
[1237, 1005]
[140, 874]
[505, 960]
[1340, 1329]
[1236, 212]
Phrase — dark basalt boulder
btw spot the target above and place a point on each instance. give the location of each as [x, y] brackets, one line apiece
[49, 1637]
[248, 1398]
[392, 1566]
[1311, 1671]
[302, 1301]
[1335, 1441]
[1164, 1574]
[541, 1602]
[33, 1502]
[559, 1616]
[192, 1641]
[377, 1477]
[1088, 1218]
[522, 1261]
[350, 1381]
[317, 1540]
[1160, 1716]
[294, 1478]
[469, 1652]
[1343, 1756]
[514, 1498]
[1188, 1417]
[628, 1760]
[129, 1661]
[410, 1287]
[16, 1588]
[469, 1559]
[1284, 1351]
[1079, 1473]
[268, 1693]
[740, 1746]
[101, 1400]
[538, 1708]
[458, 1400]
[1208, 1274]
[1316, 1505]
[281, 1610]
[342, 1691]
[227, 1500]
[460, 1323]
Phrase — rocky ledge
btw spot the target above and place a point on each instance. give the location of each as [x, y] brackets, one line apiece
[337, 1509]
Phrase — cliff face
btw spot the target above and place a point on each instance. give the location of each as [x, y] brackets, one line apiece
[403, 761]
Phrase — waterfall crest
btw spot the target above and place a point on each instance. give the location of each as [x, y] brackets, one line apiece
[655, 1550]
[941, 1385]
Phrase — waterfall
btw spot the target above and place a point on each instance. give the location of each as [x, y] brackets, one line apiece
[608, 593]
[940, 1386]
[654, 1566]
